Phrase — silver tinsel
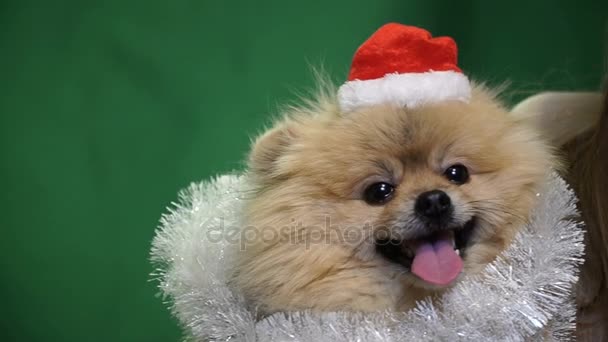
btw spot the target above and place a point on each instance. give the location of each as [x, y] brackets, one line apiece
[524, 295]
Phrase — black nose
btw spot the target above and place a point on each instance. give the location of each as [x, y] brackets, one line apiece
[434, 204]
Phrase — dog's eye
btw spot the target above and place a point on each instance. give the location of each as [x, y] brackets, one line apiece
[378, 193]
[457, 174]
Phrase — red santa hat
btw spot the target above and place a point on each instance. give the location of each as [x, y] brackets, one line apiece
[403, 66]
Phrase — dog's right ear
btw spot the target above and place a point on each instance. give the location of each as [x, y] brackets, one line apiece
[267, 150]
[560, 116]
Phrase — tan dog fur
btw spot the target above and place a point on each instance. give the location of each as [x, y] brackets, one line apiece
[314, 246]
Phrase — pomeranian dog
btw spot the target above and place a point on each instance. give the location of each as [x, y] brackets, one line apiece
[578, 124]
[379, 206]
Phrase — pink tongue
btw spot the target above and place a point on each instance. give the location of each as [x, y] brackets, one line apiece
[437, 262]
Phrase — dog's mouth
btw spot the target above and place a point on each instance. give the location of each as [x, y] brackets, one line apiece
[436, 258]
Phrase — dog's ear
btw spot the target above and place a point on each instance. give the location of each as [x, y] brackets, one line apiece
[267, 149]
[560, 116]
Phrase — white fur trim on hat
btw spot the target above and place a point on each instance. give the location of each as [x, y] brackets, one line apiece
[405, 90]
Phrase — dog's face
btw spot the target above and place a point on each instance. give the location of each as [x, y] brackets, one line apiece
[429, 193]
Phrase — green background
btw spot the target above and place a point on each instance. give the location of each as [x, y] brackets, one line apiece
[108, 108]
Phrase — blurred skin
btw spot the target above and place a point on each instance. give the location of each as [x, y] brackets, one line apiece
[577, 122]
[588, 157]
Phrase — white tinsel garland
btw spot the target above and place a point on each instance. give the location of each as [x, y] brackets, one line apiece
[524, 295]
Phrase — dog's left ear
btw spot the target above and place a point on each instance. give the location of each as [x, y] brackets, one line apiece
[560, 116]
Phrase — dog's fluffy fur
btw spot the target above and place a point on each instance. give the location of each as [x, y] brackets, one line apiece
[312, 236]
[578, 123]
